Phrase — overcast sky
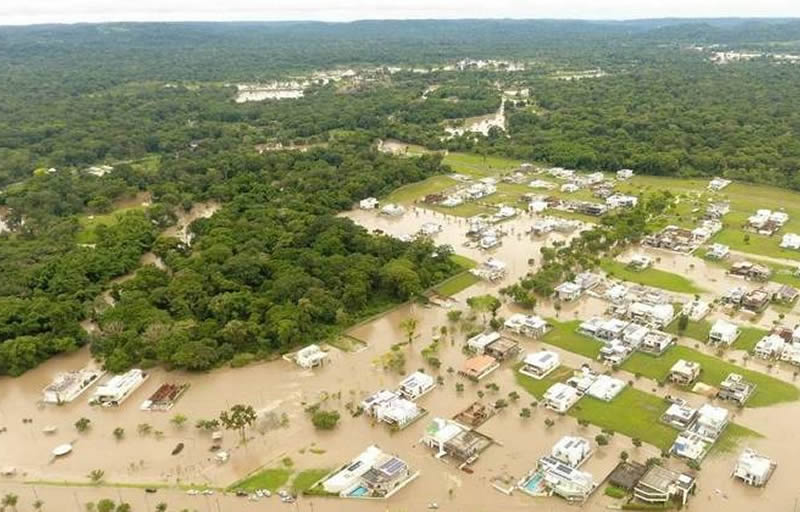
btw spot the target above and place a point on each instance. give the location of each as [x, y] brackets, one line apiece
[18, 12]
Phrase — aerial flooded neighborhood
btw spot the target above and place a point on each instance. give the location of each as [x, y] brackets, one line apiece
[400, 266]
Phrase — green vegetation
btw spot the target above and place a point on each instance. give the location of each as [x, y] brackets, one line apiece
[732, 438]
[307, 478]
[748, 338]
[650, 277]
[537, 387]
[769, 390]
[694, 329]
[458, 282]
[613, 491]
[271, 479]
[414, 191]
[565, 335]
[347, 343]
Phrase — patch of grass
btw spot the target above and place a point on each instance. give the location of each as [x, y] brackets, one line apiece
[651, 277]
[537, 387]
[272, 479]
[478, 165]
[463, 210]
[758, 244]
[749, 337]
[615, 492]
[88, 223]
[410, 193]
[633, 413]
[346, 343]
[305, 479]
[564, 335]
[769, 390]
[698, 330]
[457, 283]
[731, 438]
[463, 261]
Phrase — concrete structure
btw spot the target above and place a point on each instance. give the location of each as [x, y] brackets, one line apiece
[606, 388]
[696, 310]
[311, 356]
[393, 210]
[770, 347]
[540, 364]
[478, 343]
[416, 385]
[660, 485]
[369, 203]
[571, 450]
[690, 446]
[657, 316]
[736, 388]
[717, 184]
[118, 388]
[753, 469]
[66, 387]
[373, 474]
[568, 291]
[791, 241]
[526, 325]
[718, 252]
[565, 481]
[684, 373]
[448, 438]
[622, 201]
[624, 174]
[723, 333]
[490, 270]
[478, 367]
[679, 415]
[560, 397]
[711, 422]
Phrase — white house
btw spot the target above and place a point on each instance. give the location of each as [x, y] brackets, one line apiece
[560, 397]
[479, 342]
[684, 372]
[679, 415]
[430, 228]
[690, 446]
[753, 469]
[568, 291]
[540, 364]
[398, 412]
[723, 333]
[657, 315]
[490, 270]
[569, 188]
[393, 210]
[562, 480]
[532, 326]
[791, 241]
[66, 387]
[311, 357]
[606, 388]
[721, 251]
[770, 347]
[542, 184]
[624, 174]
[791, 353]
[711, 421]
[370, 404]
[718, 184]
[118, 388]
[621, 201]
[416, 385]
[572, 450]
[696, 309]
[369, 203]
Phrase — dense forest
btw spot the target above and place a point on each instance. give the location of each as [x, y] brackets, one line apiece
[274, 268]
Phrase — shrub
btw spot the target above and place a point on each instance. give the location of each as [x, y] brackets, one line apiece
[325, 420]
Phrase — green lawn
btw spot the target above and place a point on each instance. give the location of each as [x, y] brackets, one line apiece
[409, 193]
[457, 283]
[698, 330]
[470, 209]
[769, 391]
[463, 261]
[651, 277]
[749, 337]
[757, 245]
[478, 165]
[305, 479]
[729, 441]
[564, 335]
[272, 479]
[537, 387]
[88, 223]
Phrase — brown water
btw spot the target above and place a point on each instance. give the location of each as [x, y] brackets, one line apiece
[281, 387]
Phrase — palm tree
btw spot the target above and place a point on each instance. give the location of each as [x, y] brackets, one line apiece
[38, 504]
[10, 501]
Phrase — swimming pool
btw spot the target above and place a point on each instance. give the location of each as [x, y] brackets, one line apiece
[533, 484]
[358, 491]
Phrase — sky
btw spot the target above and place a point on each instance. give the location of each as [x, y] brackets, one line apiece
[21, 12]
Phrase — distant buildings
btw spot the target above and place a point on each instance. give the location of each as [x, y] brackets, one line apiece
[717, 184]
[490, 270]
[718, 252]
[369, 203]
[624, 174]
[560, 397]
[311, 356]
[393, 210]
[791, 241]
[572, 290]
[769, 347]
[767, 222]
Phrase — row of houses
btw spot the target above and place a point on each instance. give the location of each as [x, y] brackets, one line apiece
[561, 396]
[622, 337]
[569, 291]
[397, 407]
[703, 428]
[683, 240]
[766, 222]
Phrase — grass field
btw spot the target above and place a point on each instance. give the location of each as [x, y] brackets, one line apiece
[537, 387]
[478, 165]
[698, 330]
[731, 438]
[748, 338]
[305, 479]
[460, 281]
[272, 479]
[410, 193]
[769, 390]
[651, 277]
[88, 223]
[564, 335]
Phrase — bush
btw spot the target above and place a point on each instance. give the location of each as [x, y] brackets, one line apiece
[325, 420]
[601, 440]
[242, 359]
[615, 492]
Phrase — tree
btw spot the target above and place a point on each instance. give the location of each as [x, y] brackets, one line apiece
[38, 504]
[500, 404]
[207, 425]
[623, 455]
[83, 425]
[96, 475]
[178, 420]
[161, 507]
[683, 322]
[409, 328]
[119, 433]
[10, 501]
[105, 505]
[484, 304]
[601, 440]
[239, 418]
[123, 507]
[525, 413]
[513, 396]
[144, 429]
[636, 442]
[325, 420]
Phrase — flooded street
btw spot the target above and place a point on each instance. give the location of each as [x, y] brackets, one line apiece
[280, 388]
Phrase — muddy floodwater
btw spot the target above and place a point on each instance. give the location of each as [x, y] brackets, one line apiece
[279, 388]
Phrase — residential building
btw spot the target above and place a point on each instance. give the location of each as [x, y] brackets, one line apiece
[767, 222]
[430, 228]
[478, 343]
[624, 174]
[373, 474]
[723, 333]
[540, 364]
[587, 208]
[542, 184]
[736, 388]
[640, 261]
[490, 270]
[710, 422]
[568, 291]
[118, 388]
[68, 386]
[416, 385]
[349, 475]
[531, 326]
[717, 184]
[370, 404]
[369, 203]
[791, 241]
[311, 357]
[718, 252]
[502, 349]
[393, 210]
[385, 476]
[660, 485]
[690, 446]
[696, 310]
[658, 315]
[475, 415]
[476, 368]
[656, 342]
[684, 373]
[606, 388]
[756, 301]
[627, 474]
[560, 397]
[615, 352]
[563, 480]
[571, 450]
[452, 439]
[398, 413]
[621, 201]
[583, 378]
[791, 354]
[750, 270]
[770, 347]
[753, 469]
[611, 329]
[569, 188]
[786, 294]
[679, 415]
